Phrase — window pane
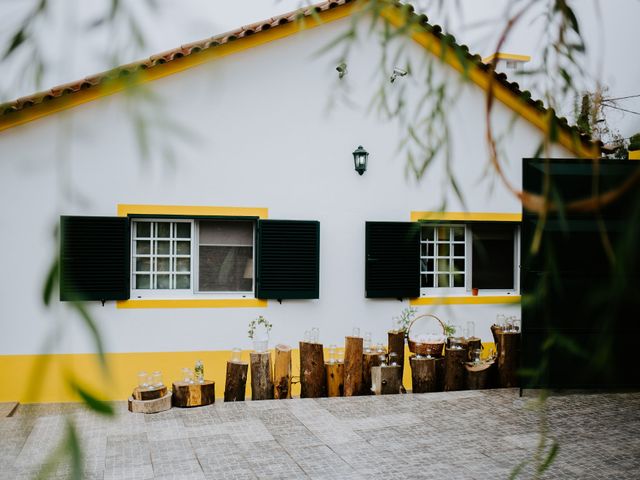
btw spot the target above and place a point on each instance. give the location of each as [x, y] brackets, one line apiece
[143, 281]
[443, 265]
[423, 265]
[183, 230]
[493, 256]
[458, 280]
[183, 264]
[163, 229]
[143, 247]
[458, 234]
[162, 247]
[183, 248]
[143, 229]
[225, 269]
[423, 249]
[226, 233]
[162, 265]
[443, 233]
[427, 233]
[143, 264]
[183, 281]
[458, 249]
[458, 265]
[430, 265]
[443, 280]
[443, 249]
[430, 249]
[162, 281]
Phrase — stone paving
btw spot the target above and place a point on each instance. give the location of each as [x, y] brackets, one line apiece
[457, 435]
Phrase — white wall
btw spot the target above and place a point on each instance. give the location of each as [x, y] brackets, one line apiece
[259, 135]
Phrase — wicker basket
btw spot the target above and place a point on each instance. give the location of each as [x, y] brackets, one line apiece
[420, 348]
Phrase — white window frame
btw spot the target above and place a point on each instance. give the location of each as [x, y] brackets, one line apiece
[468, 267]
[191, 293]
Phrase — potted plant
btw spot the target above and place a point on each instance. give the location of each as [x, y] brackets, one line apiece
[259, 329]
[401, 323]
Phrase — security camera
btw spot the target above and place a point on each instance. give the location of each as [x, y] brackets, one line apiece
[342, 70]
[397, 72]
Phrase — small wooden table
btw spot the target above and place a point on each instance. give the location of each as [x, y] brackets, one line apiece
[149, 393]
[194, 394]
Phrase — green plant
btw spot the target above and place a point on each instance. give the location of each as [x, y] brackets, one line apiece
[253, 324]
[404, 319]
[449, 330]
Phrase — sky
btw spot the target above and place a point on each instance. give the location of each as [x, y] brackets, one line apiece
[72, 48]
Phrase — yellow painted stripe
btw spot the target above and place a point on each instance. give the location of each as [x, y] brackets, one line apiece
[467, 300]
[466, 216]
[124, 210]
[507, 56]
[634, 155]
[177, 65]
[194, 303]
[481, 78]
[48, 372]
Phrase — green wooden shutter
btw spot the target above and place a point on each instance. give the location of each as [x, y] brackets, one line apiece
[288, 259]
[392, 260]
[94, 258]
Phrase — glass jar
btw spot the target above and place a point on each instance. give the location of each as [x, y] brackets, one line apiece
[500, 320]
[455, 343]
[187, 375]
[315, 335]
[470, 330]
[383, 359]
[332, 353]
[367, 342]
[475, 355]
[307, 336]
[355, 332]
[143, 379]
[393, 358]
[236, 355]
[199, 371]
[517, 325]
[156, 378]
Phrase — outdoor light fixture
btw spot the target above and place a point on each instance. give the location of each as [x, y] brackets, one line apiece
[360, 156]
[397, 72]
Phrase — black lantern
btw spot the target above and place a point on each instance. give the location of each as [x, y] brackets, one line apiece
[360, 156]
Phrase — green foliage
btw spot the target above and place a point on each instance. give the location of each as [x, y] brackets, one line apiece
[253, 324]
[449, 330]
[634, 142]
[404, 319]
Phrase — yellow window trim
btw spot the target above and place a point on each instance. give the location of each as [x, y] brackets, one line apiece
[186, 210]
[466, 216]
[467, 300]
[507, 56]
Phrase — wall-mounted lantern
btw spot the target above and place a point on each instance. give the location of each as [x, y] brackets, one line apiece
[360, 156]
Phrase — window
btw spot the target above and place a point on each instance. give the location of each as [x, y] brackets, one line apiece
[183, 256]
[457, 257]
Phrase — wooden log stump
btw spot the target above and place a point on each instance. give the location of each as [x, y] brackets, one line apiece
[495, 329]
[150, 406]
[313, 377]
[395, 345]
[454, 371]
[480, 376]
[261, 377]
[352, 366]
[149, 393]
[282, 372]
[426, 374]
[508, 358]
[386, 379]
[335, 379]
[193, 394]
[369, 360]
[236, 381]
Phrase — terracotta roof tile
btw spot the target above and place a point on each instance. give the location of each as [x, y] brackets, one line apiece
[198, 46]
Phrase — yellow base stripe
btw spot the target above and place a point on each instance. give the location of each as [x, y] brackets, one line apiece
[17, 373]
[194, 303]
[634, 155]
[466, 216]
[467, 300]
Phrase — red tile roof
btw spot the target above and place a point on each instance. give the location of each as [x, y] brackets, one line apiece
[28, 101]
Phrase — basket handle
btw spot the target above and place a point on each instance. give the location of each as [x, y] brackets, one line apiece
[444, 330]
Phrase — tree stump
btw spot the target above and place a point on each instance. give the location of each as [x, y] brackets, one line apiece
[369, 359]
[149, 394]
[352, 366]
[508, 358]
[386, 379]
[313, 377]
[395, 345]
[454, 371]
[495, 329]
[480, 376]
[426, 374]
[194, 394]
[473, 343]
[150, 406]
[282, 372]
[261, 379]
[335, 379]
[236, 381]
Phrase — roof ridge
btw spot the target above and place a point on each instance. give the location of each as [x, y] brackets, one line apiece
[197, 46]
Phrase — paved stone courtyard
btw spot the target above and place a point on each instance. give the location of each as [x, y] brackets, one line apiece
[457, 435]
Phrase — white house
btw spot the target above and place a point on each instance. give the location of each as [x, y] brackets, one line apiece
[260, 128]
